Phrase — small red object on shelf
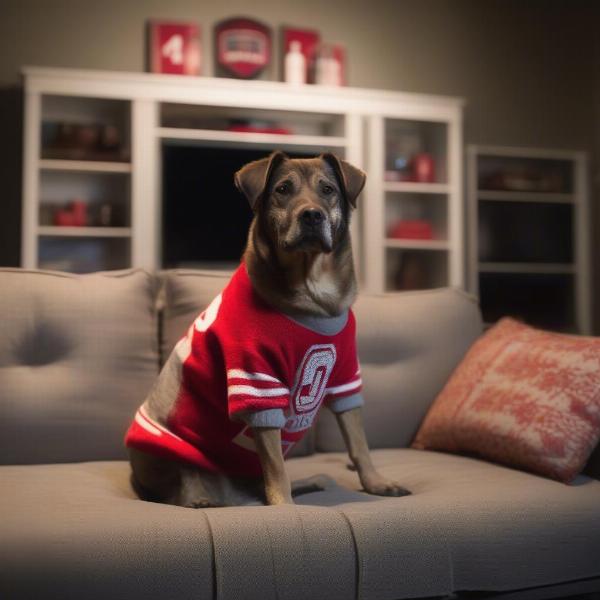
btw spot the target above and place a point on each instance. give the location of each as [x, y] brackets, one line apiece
[423, 168]
[254, 129]
[412, 230]
[73, 216]
[63, 218]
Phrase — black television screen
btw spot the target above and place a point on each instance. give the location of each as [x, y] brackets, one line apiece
[205, 219]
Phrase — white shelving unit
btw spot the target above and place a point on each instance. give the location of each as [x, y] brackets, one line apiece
[157, 111]
[542, 261]
[397, 264]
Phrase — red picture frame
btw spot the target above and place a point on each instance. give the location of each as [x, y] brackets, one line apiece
[174, 48]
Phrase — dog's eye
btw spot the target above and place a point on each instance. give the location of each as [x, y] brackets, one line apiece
[327, 190]
[284, 188]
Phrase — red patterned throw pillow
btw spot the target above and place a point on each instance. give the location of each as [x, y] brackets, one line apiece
[522, 397]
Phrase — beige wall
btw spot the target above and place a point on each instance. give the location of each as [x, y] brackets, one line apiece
[526, 68]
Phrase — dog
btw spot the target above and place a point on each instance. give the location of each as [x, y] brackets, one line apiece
[248, 379]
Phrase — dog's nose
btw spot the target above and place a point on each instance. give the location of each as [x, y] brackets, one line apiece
[312, 217]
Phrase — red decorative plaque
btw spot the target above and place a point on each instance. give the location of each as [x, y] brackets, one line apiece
[174, 48]
[243, 47]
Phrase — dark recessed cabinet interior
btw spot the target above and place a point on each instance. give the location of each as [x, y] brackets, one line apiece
[541, 299]
[525, 232]
[527, 258]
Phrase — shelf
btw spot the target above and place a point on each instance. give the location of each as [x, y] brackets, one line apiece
[407, 244]
[221, 118]
[415, 187]
[83, 254]
[94, 232]
[413, 269]
[551, 268]
[503, 196]
[84, 166]
[270, 140]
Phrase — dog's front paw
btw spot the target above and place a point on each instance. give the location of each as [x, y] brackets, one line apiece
[381, 486]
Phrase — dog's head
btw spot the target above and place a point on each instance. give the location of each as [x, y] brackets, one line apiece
[305, 203]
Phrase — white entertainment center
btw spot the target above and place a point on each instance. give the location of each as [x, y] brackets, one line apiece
[152, 111]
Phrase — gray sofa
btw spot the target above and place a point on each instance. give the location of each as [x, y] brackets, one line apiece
[78, 355]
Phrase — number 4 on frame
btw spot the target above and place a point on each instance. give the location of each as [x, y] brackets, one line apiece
[174, 48]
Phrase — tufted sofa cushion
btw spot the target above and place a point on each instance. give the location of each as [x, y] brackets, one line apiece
[78, 354]
[408, 346]
[184, 294]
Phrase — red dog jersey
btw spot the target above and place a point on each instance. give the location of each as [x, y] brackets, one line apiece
[244, 364]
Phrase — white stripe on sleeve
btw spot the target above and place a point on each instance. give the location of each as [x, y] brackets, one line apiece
[248, 390]
[344, 388]
[239, 374]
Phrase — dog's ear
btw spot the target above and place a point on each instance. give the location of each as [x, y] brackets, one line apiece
[350, 177]
[252, 179]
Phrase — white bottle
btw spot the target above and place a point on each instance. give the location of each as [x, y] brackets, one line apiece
[295, 64]
[334, 71]
[321, 68]
[328, 69]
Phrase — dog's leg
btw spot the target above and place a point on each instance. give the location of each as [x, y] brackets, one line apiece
[160, 480]
[277, 483]
[353, 431]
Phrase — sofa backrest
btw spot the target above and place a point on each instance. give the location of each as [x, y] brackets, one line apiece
[184, 294]
[78, 354]
[408, 345]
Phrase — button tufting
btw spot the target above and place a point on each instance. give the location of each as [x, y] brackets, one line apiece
[44, 344]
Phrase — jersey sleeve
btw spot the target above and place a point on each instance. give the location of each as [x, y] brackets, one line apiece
[344, 390]
[255, 394]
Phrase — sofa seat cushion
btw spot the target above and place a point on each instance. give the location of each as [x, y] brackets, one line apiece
[502, 529]
[78, 530]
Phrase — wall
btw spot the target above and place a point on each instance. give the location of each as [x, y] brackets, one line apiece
[526, 68]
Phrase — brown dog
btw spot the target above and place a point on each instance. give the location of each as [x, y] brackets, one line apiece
[298, 275]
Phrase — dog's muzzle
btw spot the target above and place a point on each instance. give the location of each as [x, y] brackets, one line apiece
[315, 230]
[310, 232]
